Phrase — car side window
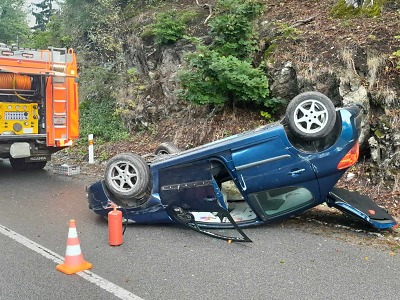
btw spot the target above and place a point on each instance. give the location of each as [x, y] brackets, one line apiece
[278, 201]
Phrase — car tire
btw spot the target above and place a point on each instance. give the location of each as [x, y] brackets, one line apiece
[166, 148]
[311, 116]
[127, 175]
[19, 164]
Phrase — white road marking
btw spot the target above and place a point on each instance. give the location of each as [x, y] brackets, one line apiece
[106, 285]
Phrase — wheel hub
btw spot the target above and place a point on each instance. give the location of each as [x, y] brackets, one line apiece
[310, 116]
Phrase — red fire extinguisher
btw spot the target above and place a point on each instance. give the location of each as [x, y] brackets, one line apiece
[115, 227]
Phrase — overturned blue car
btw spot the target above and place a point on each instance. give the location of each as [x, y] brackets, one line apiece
[256, 177]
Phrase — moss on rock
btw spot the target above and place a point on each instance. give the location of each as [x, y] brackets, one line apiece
[342, 10]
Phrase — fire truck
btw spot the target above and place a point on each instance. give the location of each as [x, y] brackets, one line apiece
[38, 104]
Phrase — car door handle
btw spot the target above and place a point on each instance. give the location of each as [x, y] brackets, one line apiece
[210, 199]
[296, 172]
[242, 183]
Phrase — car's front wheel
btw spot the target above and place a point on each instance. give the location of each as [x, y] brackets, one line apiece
[311, 115]
[127, 175]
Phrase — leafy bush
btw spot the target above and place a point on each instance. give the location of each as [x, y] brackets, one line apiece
[99, 118]
[14, 27]
[216, 79]
[170, 26]
[232, 28]
[222, 72]
[96, 28]
[53, 35]
[98, 114]
[97, 83]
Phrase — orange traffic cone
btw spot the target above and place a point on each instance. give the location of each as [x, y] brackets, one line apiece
[74, 261]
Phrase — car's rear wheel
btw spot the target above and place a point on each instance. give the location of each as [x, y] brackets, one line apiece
[127, 176]
[19, 164]
[311, 116]
[166, 148]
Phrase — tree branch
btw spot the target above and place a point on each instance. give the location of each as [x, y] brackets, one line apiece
[302, 22]
[207, 6]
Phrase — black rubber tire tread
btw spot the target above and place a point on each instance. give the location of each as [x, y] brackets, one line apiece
[136, 164]
[19, 164]
[166, 148]
[306, 96]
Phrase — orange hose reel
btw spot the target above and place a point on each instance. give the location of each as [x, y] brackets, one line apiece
[15, 81]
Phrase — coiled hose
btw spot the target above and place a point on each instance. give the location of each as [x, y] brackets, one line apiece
[16, 82]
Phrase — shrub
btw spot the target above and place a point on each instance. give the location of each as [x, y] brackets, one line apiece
[96, 83]
[100, 119]
[170, 26]
[216, 79]
[98, 114]
[232, 28]
[222, 72]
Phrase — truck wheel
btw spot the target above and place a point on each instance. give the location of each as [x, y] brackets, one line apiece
[311, 115]
[127, 175]
[19, 164]
[166, 148]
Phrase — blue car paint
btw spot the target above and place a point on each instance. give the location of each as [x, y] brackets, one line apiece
[100, 201]
[345, 207]
[258, 159]
[325, 162]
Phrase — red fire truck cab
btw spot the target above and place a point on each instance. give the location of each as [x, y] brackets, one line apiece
[38, 104]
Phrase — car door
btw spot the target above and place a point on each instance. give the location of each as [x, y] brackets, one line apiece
[189, 186]
[361, 207]
[275, 180]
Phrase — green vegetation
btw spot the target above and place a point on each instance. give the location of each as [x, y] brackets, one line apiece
[342, 11]
[101, 120]
[288, 32]
[170, 26]
[222, 73]
[232, 28]
[92, 30]
[14, 27]
[267, 116]
[218, 74]
[52, 35]
[98, 38]
[285, 33]
[95, 29]
[213, 79]
[42, 13]
[98, 109]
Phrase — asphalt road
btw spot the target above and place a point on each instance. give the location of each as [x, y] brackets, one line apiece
[169, 262]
